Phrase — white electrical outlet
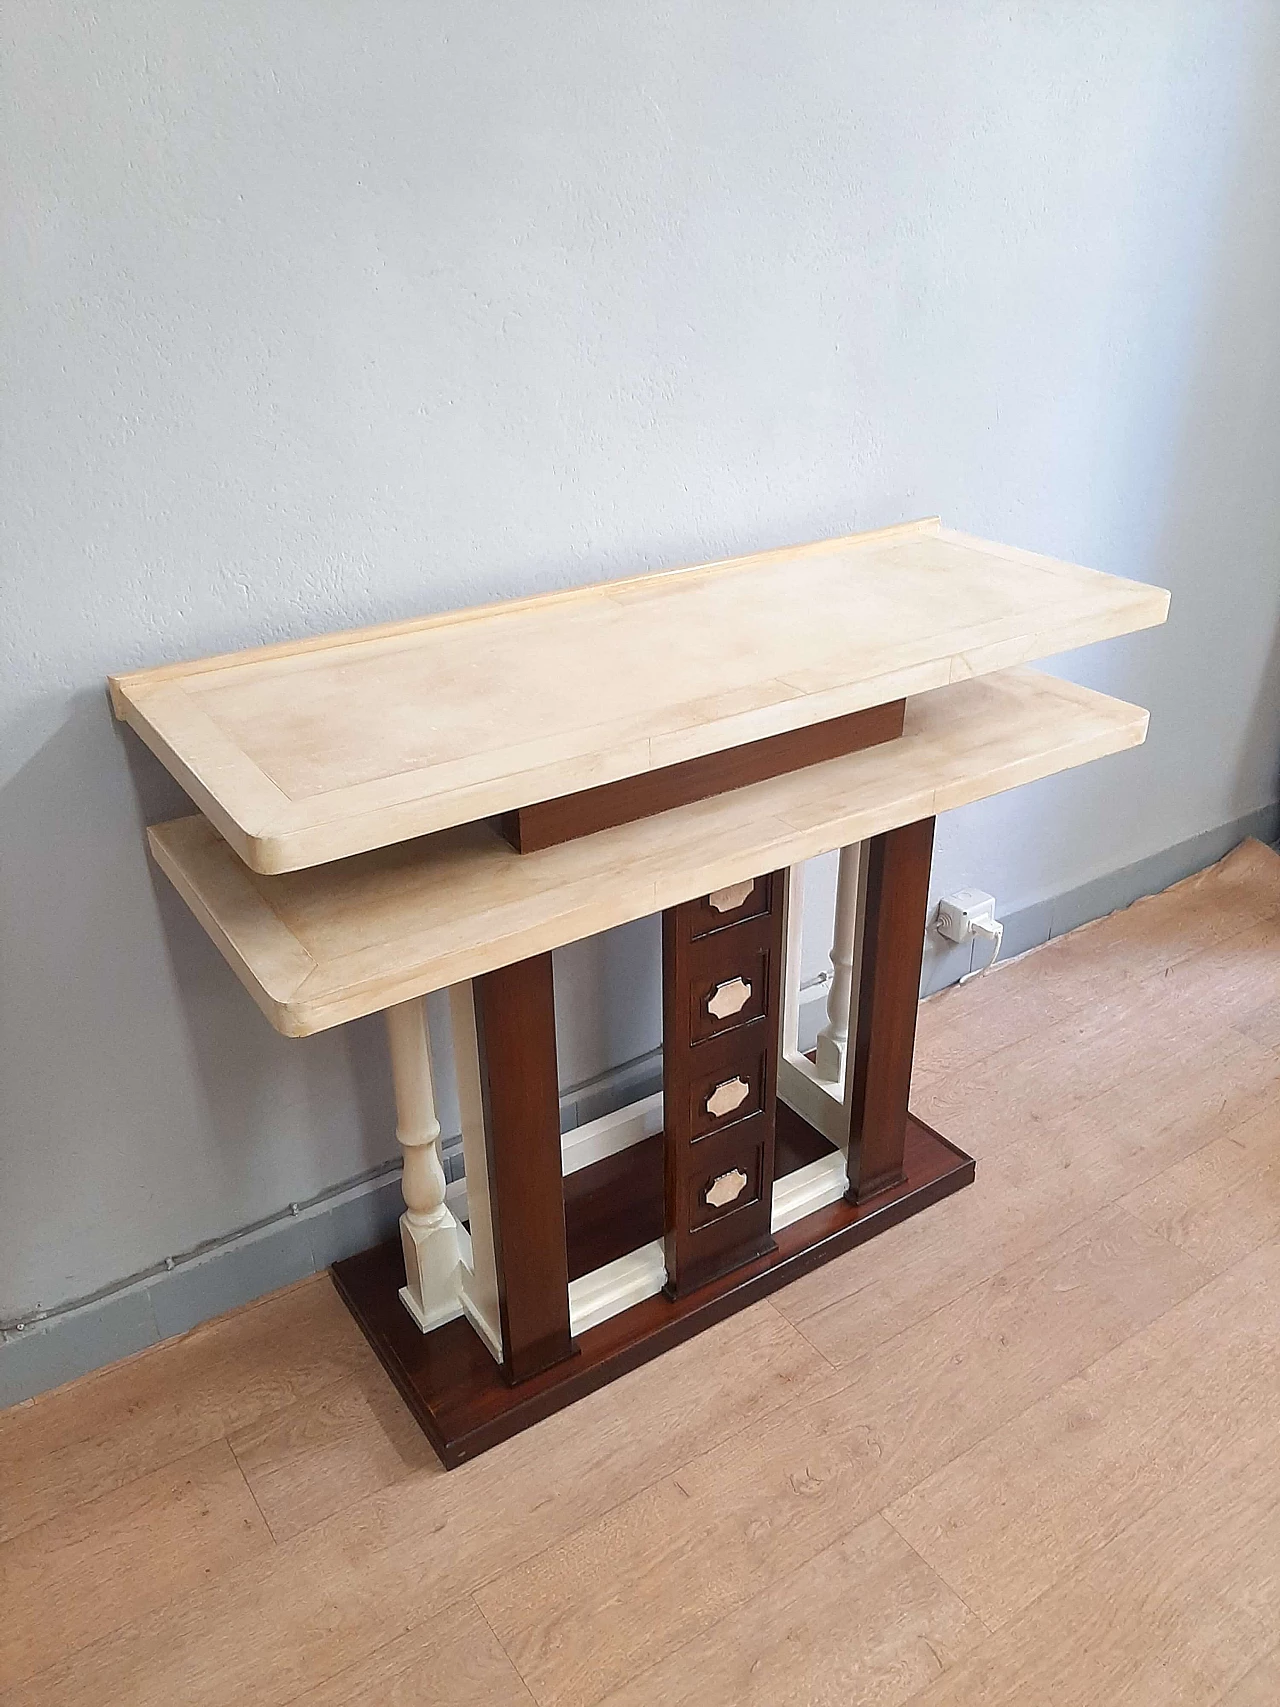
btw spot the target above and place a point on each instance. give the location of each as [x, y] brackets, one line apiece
[961, 913]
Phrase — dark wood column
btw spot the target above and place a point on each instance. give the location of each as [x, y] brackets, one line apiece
[516, 1029]
[897, 900]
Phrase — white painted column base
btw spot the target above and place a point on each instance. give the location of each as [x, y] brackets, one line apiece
[431, 1258]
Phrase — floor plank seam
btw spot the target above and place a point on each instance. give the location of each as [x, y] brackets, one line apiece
[800, 1402]
[212, 1324]
[266, 1522]
[670, 1474]
[83, 1499]
[734, 1611]
[799, 1332]
[1093, 1549]
[1272, 1049]
[957, 1067]
[934, 1570]
[435, 1613]
[1230, 1688]
[502, 1646]
[1118, 1208]
[314, 1401]
[1006, 1421]
[47, 1675]
[1060, 1229]
[839, 1367]
[1199, 1069]
[1083, 1561]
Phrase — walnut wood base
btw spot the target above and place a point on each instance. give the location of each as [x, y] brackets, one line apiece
[456, 1391]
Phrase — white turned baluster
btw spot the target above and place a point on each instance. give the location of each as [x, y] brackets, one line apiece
[833, 1039]
[428, 1231]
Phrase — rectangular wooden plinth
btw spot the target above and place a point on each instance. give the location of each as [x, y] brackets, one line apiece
[456, 1391]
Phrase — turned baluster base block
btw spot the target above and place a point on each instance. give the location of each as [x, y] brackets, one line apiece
[431, 1255]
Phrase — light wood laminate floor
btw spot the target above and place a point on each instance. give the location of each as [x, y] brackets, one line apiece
[1020, 1450]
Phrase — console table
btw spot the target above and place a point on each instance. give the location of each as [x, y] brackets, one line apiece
[438, 804]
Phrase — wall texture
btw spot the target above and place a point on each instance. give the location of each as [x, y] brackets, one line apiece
[320, 314]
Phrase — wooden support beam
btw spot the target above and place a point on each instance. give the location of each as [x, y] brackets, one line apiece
[897, 901]
[546, 823]
[516, 1035]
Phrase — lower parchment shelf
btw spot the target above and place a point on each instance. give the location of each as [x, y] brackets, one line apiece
[454, 1388]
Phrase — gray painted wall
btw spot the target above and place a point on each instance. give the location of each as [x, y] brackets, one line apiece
[321, 314]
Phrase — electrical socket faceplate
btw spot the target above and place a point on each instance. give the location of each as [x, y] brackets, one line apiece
[960, 913]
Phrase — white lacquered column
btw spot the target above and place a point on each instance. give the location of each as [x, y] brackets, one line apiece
[478, 1275]
[819, 1090]
[833, 1039]
[428, 1231]
[820, 1101]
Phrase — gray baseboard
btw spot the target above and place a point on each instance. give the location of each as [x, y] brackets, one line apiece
[1028, 927]
[147, 1308]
